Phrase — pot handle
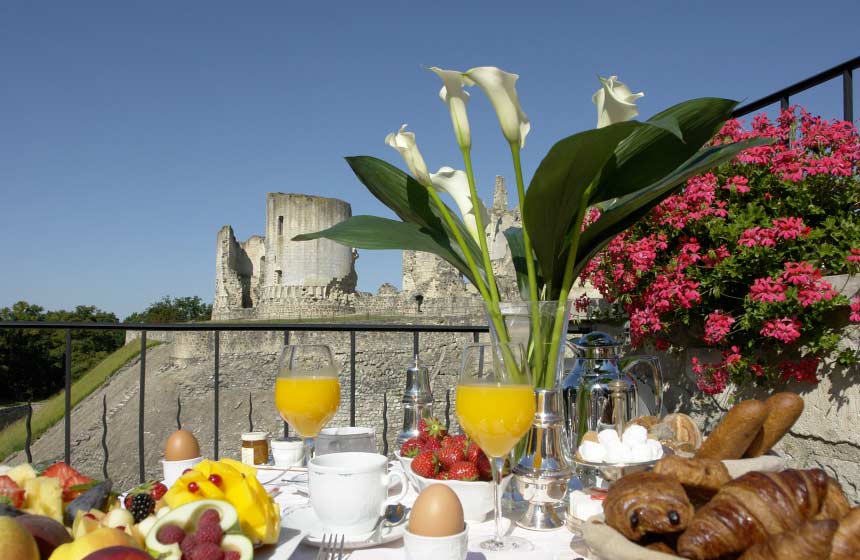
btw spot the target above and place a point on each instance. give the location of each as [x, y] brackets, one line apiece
[653, 363]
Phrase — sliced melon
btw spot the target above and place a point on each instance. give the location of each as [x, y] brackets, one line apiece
[186, 517]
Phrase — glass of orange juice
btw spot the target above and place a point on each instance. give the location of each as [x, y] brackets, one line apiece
[496, 408]
[307, 391]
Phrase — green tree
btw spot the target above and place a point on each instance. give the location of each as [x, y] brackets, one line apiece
[173, 310]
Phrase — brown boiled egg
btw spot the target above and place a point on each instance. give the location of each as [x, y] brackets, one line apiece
[181, 445]
[437, 513]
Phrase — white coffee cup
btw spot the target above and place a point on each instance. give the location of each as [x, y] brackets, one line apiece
[349, 491]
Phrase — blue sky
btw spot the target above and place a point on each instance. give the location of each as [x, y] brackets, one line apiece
[130, 132]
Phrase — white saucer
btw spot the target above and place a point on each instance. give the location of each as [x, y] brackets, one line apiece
[305, 519]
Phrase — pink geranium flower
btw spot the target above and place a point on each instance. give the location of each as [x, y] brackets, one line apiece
[784, 329]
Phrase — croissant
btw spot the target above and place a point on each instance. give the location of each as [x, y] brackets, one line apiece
[836, 505]
[646, 502]
[751, 508]
[810, 541]
[701, 478]
[846, 541]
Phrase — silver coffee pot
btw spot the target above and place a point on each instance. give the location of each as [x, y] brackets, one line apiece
[587, 389]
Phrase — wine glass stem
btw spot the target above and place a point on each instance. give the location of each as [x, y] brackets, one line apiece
[497, 464]
[308, 449]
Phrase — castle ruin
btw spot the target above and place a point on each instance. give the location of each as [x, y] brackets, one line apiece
[274, 277]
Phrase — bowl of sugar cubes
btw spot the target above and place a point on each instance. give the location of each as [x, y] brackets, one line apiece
[605, 456]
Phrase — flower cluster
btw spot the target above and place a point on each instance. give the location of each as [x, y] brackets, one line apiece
[737, 260]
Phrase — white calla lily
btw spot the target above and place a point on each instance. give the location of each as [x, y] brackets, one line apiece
[499, 86]
[615, 102]
[455, 97]
[404, 142]
[456, 183]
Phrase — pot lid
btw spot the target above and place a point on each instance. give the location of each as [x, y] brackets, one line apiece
[595, 339]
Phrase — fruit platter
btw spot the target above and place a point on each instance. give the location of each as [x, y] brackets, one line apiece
[216, 510]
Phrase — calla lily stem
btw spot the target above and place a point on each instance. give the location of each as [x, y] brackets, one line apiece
[482, 233]
[530, 267]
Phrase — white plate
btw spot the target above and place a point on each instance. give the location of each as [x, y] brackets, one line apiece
[288, 541]
[304, 519]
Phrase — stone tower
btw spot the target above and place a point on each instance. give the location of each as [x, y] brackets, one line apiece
[254, 277]
[305, 268]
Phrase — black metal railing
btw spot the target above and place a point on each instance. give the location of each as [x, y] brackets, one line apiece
[783, 96]
[217, 329]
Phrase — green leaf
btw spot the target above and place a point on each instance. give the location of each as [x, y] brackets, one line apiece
[410, 200]
[650, 153]
[558, 190]
[373, 232]
[514, 235]
[618, 214]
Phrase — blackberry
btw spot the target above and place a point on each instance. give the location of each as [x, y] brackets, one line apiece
[142, 506]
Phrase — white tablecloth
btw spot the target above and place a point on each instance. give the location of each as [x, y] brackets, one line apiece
[559, 544]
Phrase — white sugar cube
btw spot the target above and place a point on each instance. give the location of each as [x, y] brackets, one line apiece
[614, 453]
[586, 509]
[607, 436]
[655, 449]
[592, 452]
[640, 453]
[635, 435]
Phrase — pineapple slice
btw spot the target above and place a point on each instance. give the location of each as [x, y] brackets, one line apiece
[21, 473]
[44, 497]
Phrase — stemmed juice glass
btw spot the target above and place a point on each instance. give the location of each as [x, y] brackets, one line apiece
[307, 391]
[496, 408]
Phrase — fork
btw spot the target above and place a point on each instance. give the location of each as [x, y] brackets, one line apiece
[330, 549]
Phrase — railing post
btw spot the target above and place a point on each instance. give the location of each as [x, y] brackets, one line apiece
[104, 436]
[217, 382]
[783, 104]
[68, 399]
[847, 95]
[415, 344]
[352, 378]
[28, 424]
[385, 423]
[141, 464]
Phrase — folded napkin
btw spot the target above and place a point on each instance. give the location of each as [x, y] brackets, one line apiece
[608, 544]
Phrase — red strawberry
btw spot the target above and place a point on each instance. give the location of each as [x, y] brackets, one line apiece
[431, 444]
[458, 440]
[432, 427]
[158, 490]
[11, 492]
[231, 555]
[472, 451]
[68, 478]
[485, 470]
[127, 500]
[411, 447]
[425, 464]
[463, 470]
[450, 455]
[441, 475]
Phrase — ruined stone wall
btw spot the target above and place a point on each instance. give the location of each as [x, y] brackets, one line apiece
[426, 275]
[232, 273]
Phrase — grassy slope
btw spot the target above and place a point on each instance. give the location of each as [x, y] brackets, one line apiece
[12, 438]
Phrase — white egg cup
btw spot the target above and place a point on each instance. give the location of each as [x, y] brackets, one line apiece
[174, 469]
[453, 547]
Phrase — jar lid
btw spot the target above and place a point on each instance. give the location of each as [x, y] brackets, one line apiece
[255, 436]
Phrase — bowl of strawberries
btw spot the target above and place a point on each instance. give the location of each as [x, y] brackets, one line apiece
[436, 457]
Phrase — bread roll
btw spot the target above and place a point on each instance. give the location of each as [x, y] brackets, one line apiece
[733, 435]
[783, 411]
